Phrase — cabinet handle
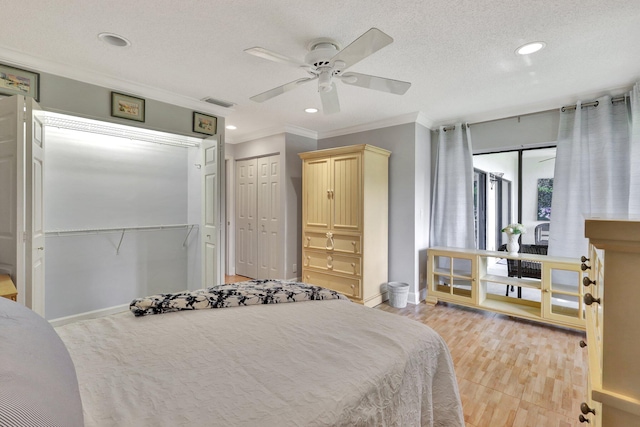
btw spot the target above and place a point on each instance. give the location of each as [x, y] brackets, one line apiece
[330, 239]
[589, 299]
[588, 282]
[584, 258]
[582, 344]
[585, 267]
[584, 408]
[330, 263]
[307, 261]
[583, 419]
[354, 247]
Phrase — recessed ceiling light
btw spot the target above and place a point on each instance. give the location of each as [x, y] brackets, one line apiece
[231, 127]
[310, 110]
[530, 48]
[114, 39]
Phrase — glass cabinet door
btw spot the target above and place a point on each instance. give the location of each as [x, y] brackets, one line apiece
[452, 277]
[562, 293]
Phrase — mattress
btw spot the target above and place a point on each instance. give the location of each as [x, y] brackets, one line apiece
[312, 363]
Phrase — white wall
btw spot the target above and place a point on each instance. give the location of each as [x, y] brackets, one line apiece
[95, 181]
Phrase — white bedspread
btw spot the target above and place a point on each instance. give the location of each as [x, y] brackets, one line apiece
[316, 363]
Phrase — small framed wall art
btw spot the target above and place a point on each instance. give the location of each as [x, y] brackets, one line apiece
[15, 81]
[204, 124]
[127, 107]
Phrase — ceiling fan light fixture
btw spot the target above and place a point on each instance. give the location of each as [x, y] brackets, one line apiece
[530, 48]
[324, 81]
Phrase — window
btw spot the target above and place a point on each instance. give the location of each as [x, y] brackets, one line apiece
[512, 186]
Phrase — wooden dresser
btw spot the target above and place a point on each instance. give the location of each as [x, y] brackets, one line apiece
[7, 288]
[613, 333]
[345, 220]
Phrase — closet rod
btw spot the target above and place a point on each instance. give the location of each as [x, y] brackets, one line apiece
[117, 229]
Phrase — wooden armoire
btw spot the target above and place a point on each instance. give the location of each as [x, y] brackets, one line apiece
[345, 220]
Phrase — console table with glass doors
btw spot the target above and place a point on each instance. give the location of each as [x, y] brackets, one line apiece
[477, 278]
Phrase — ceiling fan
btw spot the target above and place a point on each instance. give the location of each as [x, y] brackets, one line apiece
[326, 63]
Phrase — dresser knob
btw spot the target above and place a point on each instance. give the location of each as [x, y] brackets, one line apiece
[588, 282]
[584, 267]
[589, 299]
[584, 408]
[583, 419]
[584, 258]
[583, 344]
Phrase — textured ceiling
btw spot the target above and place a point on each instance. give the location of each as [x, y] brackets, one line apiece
[458, 55]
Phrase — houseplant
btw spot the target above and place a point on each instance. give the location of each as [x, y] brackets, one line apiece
[513, 234]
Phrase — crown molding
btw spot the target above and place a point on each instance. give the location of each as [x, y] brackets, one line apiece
[23, 60]
[297, 130]
[417, 117]
[276, 130]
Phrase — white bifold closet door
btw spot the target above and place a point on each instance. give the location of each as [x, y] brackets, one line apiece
[258, 241]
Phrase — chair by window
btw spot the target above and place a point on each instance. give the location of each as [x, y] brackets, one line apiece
[542, 234]
[524, 268]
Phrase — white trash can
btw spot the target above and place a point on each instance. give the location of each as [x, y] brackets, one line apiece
[398, 293]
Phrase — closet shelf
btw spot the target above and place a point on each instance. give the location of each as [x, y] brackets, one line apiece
[116, 229]
[123, 230]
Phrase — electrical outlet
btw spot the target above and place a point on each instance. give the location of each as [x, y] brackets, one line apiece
[295, 268]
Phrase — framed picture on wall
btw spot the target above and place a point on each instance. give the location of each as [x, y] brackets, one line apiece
[127, 107]
[15, 81]
[545, 191]
[205, 124]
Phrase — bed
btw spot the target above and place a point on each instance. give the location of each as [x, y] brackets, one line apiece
[312, 363]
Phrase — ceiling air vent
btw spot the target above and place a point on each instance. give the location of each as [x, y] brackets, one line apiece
[218, 102]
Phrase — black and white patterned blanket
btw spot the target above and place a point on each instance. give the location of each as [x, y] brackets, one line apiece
[232, 295]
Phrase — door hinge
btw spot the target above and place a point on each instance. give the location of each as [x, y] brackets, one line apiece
[24, 236]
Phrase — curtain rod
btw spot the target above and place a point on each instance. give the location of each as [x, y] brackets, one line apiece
[563, 109]
[592, 103]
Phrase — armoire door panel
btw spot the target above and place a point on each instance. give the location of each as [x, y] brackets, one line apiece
[346, 192]
[317, 187]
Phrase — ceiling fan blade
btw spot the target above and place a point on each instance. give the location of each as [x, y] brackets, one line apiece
[274, 56]
[397, 87]
[368, 43]
[330, 103]
[281, 89]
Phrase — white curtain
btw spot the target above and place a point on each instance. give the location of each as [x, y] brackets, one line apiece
[594, 174]
[452, 207]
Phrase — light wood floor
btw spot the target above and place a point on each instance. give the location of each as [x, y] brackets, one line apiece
[235, 279]
[511, 372]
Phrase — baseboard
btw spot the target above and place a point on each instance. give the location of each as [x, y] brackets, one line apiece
[89, 315]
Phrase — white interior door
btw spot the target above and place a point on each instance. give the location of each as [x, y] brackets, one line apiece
[269, 245]
[21, 198]
[11, 191]
[212, 273]
[246, 224]
[34, 208]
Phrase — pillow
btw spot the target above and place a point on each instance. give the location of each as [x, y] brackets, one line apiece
[38, 383]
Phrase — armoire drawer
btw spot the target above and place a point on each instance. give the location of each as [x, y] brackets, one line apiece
[343, 243]
[332, 262]
[345, 285]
